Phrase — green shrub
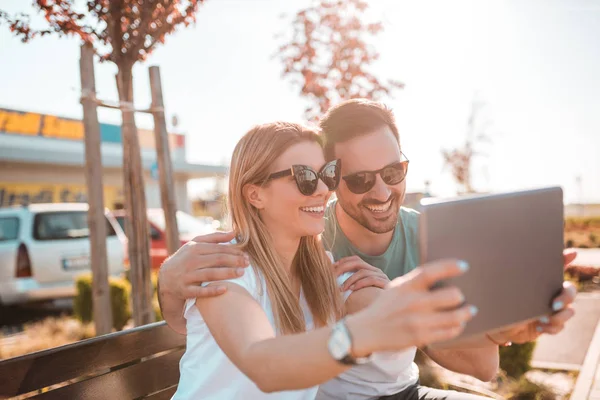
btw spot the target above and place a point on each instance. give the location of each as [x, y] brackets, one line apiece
[156, 306]
[120, 292]
[593, 237]
[570, 244]
[527, 390]
[154, 281]
[515, 360]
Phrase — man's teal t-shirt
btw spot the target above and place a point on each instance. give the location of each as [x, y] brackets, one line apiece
[401, 257]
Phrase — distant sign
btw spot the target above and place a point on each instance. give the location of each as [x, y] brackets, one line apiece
[12, 194]
[33, 124]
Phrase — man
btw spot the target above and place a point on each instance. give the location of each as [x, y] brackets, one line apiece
[366, 226]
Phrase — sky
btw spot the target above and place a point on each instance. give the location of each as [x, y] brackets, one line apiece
[534, 64]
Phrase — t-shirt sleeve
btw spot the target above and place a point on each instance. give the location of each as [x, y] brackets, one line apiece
[247, 281]
[410, 218]
[340, 281]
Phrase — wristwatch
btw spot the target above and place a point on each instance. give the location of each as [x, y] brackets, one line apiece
[340, 345]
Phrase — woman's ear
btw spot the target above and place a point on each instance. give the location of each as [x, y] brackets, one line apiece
[253, 194]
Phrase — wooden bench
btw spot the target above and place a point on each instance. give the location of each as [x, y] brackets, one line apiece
[138, 363]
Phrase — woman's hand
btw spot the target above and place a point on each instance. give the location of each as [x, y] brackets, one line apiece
[409, 313]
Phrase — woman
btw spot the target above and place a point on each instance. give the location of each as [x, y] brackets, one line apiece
[270, 331]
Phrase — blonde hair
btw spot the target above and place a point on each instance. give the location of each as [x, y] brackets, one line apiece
[253, 155]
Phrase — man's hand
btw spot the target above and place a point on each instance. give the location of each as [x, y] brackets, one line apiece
[365, 275]
[552, 324]
[203, 259]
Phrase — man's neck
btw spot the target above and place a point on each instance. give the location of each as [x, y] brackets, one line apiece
[370, 243]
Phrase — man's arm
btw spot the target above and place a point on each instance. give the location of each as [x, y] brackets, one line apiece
[203, 259]
[479, 357]
[480, 360]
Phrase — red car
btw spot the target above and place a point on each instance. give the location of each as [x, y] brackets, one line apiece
[189, 227]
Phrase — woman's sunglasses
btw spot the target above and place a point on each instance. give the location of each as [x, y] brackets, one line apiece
[307, 179]
[362, 182]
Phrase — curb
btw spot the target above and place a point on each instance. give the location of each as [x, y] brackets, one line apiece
[587, 374]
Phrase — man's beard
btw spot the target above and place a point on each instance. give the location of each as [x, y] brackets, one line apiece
[361, 215]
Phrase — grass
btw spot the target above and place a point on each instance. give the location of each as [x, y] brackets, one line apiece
[523, 389]
[48, 333]
[582, 232]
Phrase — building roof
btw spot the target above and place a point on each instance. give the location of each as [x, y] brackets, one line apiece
[44, 150]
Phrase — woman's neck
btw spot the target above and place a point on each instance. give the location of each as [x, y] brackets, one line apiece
[286, 248]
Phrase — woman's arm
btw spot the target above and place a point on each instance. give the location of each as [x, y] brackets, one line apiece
[242, 330]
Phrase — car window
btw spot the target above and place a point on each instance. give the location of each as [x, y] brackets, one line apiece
[186, 223]
[9, 228]
[64, 225]
[121, 220]
[154, 233]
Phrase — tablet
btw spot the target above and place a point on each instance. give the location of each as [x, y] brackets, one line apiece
[513, 243]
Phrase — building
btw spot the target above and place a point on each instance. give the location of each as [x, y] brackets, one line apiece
[42, 159]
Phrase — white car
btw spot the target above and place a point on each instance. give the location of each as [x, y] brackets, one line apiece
[44, 246]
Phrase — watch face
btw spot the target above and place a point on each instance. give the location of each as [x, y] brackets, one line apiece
[339, 344]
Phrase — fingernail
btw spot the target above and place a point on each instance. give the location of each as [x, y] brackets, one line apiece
[352, 287]
[557, 305]
[463, 265]
[539, 329]
[544, 320]
[473, 310]
[239, 271]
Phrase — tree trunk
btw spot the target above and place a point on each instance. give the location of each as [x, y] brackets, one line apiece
[93, 175]
[135, 204]
[163, 158]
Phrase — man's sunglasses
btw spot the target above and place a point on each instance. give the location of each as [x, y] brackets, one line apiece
[307, 179]
[363, 181]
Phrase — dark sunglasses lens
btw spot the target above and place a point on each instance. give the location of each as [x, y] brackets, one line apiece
[307, 181]
[394, 174]
[360, 183]
[331, 176]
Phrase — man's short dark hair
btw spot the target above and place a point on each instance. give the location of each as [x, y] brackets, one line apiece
[353, 118]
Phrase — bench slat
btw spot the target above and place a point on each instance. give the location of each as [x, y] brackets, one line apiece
[164, 395]
[128, 383]
[37, 370]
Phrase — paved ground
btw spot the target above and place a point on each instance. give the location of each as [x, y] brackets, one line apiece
[588, 257]
[567, 350]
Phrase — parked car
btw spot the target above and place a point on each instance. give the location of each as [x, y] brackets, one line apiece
[44, 246]
[188, 225]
